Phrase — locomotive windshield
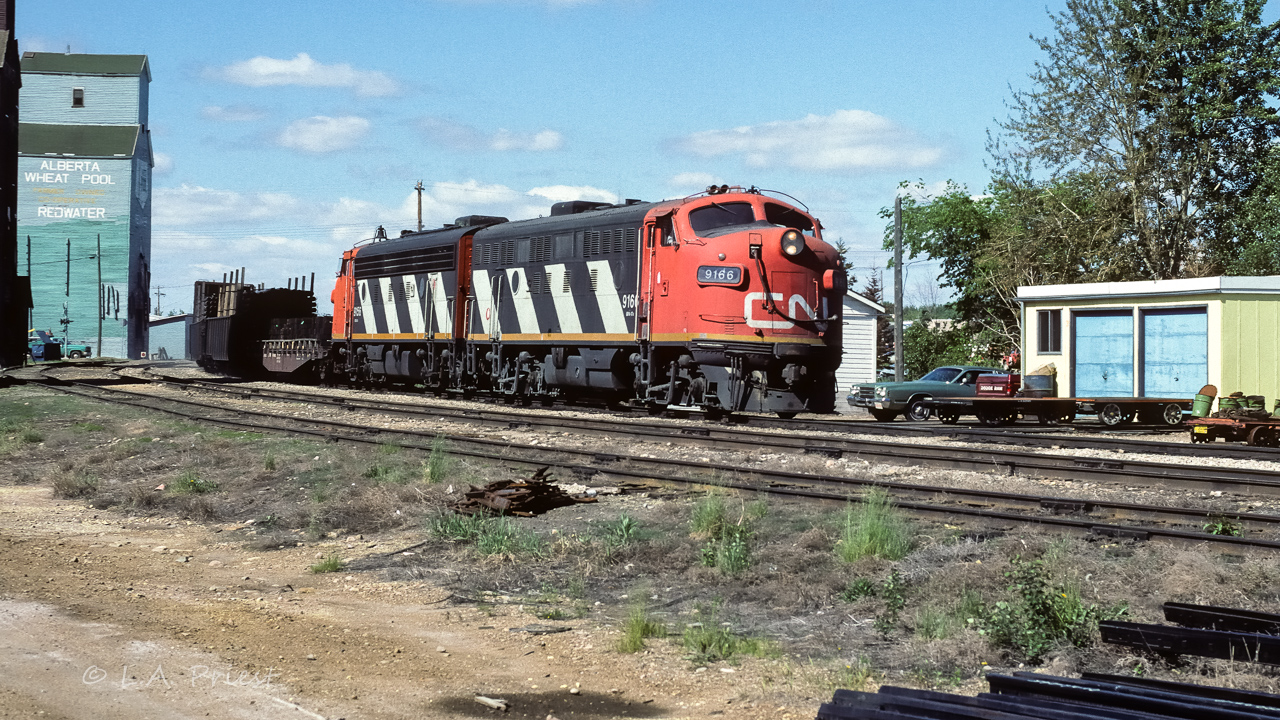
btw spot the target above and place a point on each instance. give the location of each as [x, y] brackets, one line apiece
[718, 215]
[783, 216]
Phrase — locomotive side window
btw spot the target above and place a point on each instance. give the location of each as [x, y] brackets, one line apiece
[718, 215]
[783, 216]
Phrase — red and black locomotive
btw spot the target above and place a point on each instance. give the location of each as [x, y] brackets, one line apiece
[725, 301]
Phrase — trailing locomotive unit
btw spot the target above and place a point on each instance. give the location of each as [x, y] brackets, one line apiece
[726, 301]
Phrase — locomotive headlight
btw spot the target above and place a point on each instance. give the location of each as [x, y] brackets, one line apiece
[792, 242]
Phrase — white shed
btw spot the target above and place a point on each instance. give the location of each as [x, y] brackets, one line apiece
[858, 363]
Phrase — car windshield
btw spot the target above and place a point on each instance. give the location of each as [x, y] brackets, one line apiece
[941, 375]
[718, 215]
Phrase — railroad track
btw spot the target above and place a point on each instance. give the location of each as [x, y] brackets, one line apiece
[723, 437]
[992, 507]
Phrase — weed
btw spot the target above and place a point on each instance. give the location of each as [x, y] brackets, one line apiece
[333, 563]
[874, 528]
[89, 427]
[577, 588]
[452, 526]
[191, 482]
[728, 545]
[893, 592]
[854, 676]
[76, 485]
[639, 627]
[757, 509]
[552, 614]
[1222, 525]
[620, 534]
[858, 589]
[1042, 615]
[269, 461]
[439, 464]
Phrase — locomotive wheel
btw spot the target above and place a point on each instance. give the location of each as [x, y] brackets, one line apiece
[1172, 414]
[917, 410]
[949, 418]
[1263, 436]
[1048, 418]
[883, 415]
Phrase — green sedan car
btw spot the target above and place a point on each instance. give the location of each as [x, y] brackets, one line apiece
[887, 400]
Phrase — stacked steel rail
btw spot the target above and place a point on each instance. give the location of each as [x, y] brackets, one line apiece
[1206, 631]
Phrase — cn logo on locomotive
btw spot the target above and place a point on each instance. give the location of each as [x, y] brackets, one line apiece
[755, 300]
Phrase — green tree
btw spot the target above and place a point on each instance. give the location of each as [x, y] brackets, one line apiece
[1163, 104]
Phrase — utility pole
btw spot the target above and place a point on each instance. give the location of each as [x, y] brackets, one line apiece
[419, 188]
[31, 313]
[100, 303]
[158, 296]
[897, 289]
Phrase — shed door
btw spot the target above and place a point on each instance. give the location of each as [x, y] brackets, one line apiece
[1175, 352]
[1103, 350]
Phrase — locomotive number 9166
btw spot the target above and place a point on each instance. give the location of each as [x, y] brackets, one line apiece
[720, 274]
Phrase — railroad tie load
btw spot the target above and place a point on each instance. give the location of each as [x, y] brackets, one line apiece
[1205, 631]
[1033, 695]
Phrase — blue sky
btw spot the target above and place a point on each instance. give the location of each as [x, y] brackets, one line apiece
[285, 132]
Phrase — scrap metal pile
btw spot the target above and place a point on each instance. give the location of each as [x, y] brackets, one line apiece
[525, 498]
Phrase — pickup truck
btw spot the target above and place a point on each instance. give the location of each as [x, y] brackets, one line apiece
[887, 400]
[36, 340]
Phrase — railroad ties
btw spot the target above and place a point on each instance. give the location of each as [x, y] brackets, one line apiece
[1024, 696]
[1206, 631]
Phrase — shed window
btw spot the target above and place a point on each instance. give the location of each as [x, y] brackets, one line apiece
[1049, 325]
[77, 97]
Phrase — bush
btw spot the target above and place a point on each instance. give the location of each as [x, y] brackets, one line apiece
[874, 528]
[1042, 615]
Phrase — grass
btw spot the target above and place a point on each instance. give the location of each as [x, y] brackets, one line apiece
[874, 528]
[709, 514]
[639, 626]
[269, 461]
[620, 534]
[728, 545]
[333, 563]
[190, 482]
[439, 465]
[489, 535]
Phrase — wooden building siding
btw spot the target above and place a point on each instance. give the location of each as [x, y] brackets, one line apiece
[858, 354]
[108, 100]
[1250, 342]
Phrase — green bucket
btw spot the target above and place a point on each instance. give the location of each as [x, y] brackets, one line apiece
[1228, 403]
[1255, 402]
[1203, 404]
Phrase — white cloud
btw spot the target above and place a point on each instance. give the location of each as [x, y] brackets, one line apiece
[321, 134]
[693, 181]
[234, 113]
[844, 141]
[163, 163]
[264, 71]
[564, 193]
[464, 137]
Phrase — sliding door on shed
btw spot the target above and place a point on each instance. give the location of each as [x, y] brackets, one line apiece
[1175, 351]
[1102, 349]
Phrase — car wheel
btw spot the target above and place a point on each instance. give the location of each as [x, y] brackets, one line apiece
[1112, 415]
[75, 354]
[884, 415]
[917, 410]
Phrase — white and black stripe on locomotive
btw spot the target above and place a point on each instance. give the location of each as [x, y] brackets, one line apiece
[405, 288]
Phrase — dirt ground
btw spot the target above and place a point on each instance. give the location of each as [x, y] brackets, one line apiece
[119, 599]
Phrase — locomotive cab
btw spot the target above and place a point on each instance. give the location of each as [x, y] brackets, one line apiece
[740, 301]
